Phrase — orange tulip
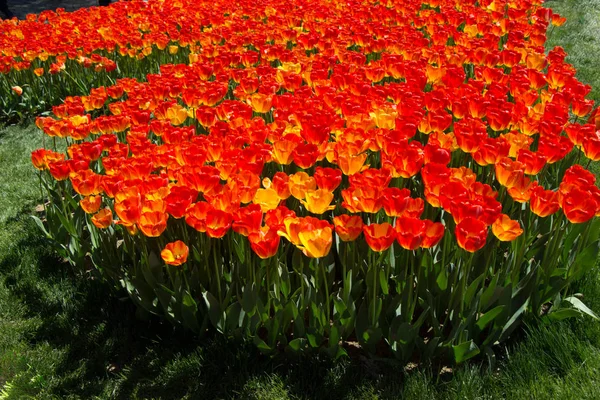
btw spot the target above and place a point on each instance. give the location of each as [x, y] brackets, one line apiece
[218, 223]
[409, 232]
[379, 237]
[300, 183]
[316, 241]
[264, 242]
[103, 218]
[153, 223]
[579, 205]
[85, 182]
[328, 178]
[91, 204]
[509, 172]
[544, 202]
[175, 253]
[432, 234]
[471, 234]
[318, 201]
[506, 229]
[267, 199]
[348, 227]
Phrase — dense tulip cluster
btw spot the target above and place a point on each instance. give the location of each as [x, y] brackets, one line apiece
[319, 171]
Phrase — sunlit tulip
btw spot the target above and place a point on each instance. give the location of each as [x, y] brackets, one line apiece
[103, 218]
[471, 234]
[175, 253]
[91, 204]
[506, 229]
[316, 241]
[379, 237]
[264, 242]
[318, 201]
[348, 227]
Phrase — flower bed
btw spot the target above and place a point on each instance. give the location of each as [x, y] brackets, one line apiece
[395, 174]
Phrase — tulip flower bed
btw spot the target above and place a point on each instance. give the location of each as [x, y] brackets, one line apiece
[402, 175]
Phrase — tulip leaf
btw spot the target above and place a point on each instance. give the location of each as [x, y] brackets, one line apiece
[66, 224]
[563, 313]
[489, 316]
[262, 346]
[334, 336]
[239, 249]
[514, 319]
[584, 261]
[580, 306]
[40, 224]
[488, 294]
[234, 317]
[297, 344]
[189, 309]
[472, 289]
[249, 299]
[442, 279]
[383, 281]
[215, 313]
[464, 351]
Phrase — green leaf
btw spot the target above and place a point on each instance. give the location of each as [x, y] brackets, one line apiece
[472, 289]
[215, 313]
[40, 224]
[383, 281]
[584, 261]
[66, 224]
[464, 351]
[238, 245]
[442, 279]
[489, 316]
[249, 299]
[514, 319]
[262, 346]
[334, 336]
[297, 344]
[563, 313]
[489, 292]
[189, 309]
[578, 305]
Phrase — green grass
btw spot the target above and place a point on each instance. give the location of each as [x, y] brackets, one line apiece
[579, 36]
[66, 337]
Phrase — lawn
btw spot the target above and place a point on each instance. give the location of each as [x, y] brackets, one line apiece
[65, 336]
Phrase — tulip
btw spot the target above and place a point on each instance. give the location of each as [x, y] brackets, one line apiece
[153, 223]
[471, 234]
[91, 204]
[195, 215]
[175, 253]
[395, 201]
[579, 205]
[300, 183]
[318, 201]
[544, 202]
[218, 223]
[248, 220]
[409, 232]
[379, 237]
[506, 229]
[316, 243]
[348, 227]
[432, 234]
[264, 242]
[103, 218]
[328, 178]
